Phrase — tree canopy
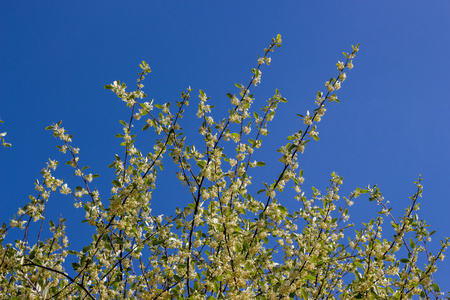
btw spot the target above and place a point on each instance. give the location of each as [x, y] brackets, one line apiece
[224, 242]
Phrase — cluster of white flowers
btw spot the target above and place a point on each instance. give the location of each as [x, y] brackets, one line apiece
[203, 108]
[257, 77]
[2, 138]
[307, 119]
[262, 60]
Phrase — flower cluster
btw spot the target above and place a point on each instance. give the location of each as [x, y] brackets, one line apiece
[2, 138]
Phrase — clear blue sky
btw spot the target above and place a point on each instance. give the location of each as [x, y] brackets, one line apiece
[392, 124]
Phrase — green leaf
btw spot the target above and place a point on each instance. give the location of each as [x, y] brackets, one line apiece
[146, 126]
[404, 260]
[201, 164]
[310, 277]
[260, 164]
[75, 266]
[435, 287]
[316, 137]
[245, 246]
[159, 106]
[304, 294]
[282, 208]
[357, 264]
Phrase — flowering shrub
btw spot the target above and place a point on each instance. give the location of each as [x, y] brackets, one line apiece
[225, 243]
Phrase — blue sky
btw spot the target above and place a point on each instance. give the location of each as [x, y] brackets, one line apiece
[392, 123]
